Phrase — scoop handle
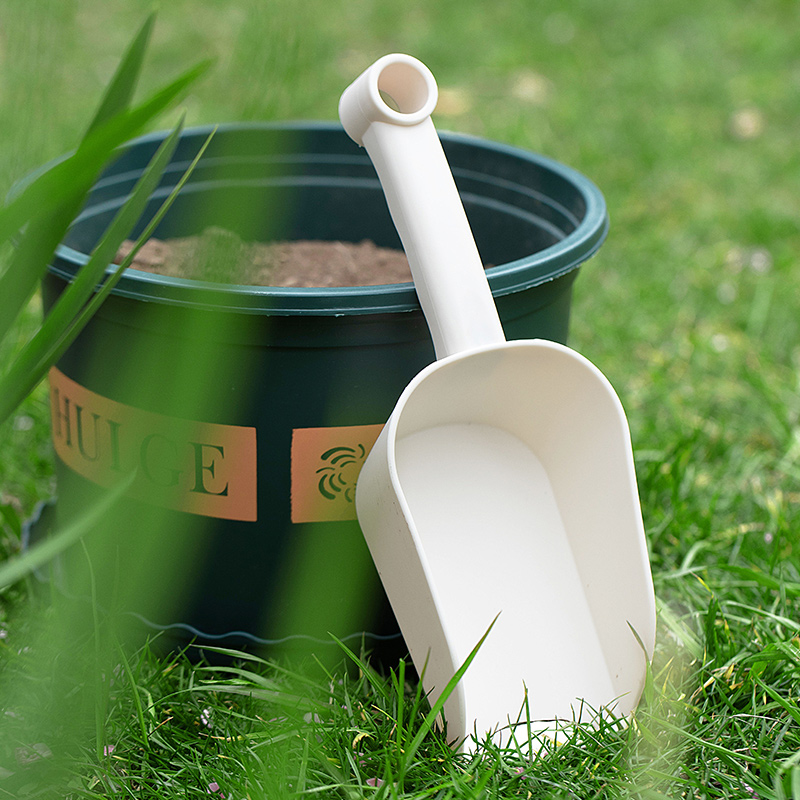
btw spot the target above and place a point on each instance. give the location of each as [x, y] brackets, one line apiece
[423, 200]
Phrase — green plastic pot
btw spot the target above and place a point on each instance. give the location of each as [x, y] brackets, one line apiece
[247, 495]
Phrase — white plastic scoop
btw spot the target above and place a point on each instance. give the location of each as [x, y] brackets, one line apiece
[503, 482]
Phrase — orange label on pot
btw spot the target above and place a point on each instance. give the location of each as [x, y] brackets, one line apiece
[325, 467]
[200, 467]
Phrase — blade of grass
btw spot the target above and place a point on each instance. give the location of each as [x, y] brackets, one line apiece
[420, 697]
[375, 681]
[436, 708]
[400, 680]
[795, 779]
[762, 579]
[100, 696]
[713, 746]
[789, 707]
[752, 612]
[247, 676]
[279, 697]
[135, 694]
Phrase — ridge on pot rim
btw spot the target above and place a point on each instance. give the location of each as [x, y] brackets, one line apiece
[561, 206]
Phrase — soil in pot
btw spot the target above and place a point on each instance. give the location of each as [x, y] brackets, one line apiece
[220, 256]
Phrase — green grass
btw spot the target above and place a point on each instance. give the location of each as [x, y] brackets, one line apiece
[685, 114]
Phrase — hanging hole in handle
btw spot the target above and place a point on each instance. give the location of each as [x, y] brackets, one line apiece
[405, 89]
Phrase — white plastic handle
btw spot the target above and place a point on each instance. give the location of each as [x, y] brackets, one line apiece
[423, 200]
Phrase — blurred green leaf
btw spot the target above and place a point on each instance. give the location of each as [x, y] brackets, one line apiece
[48, 205]
[70, 314]
[80, 320]
[679, 629]
[11, 517]
[120, 90]
[39, 215]
[19, 567]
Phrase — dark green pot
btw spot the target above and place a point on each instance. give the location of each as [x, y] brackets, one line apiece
[277, 377]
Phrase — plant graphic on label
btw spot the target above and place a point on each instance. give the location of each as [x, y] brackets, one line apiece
[338, 476]
[325, 467]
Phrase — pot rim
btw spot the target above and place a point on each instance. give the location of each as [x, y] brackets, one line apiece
[514, 276]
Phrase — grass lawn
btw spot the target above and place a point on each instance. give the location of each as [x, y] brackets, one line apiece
[686, 115]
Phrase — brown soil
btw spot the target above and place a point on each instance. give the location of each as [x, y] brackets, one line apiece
[220, 256]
